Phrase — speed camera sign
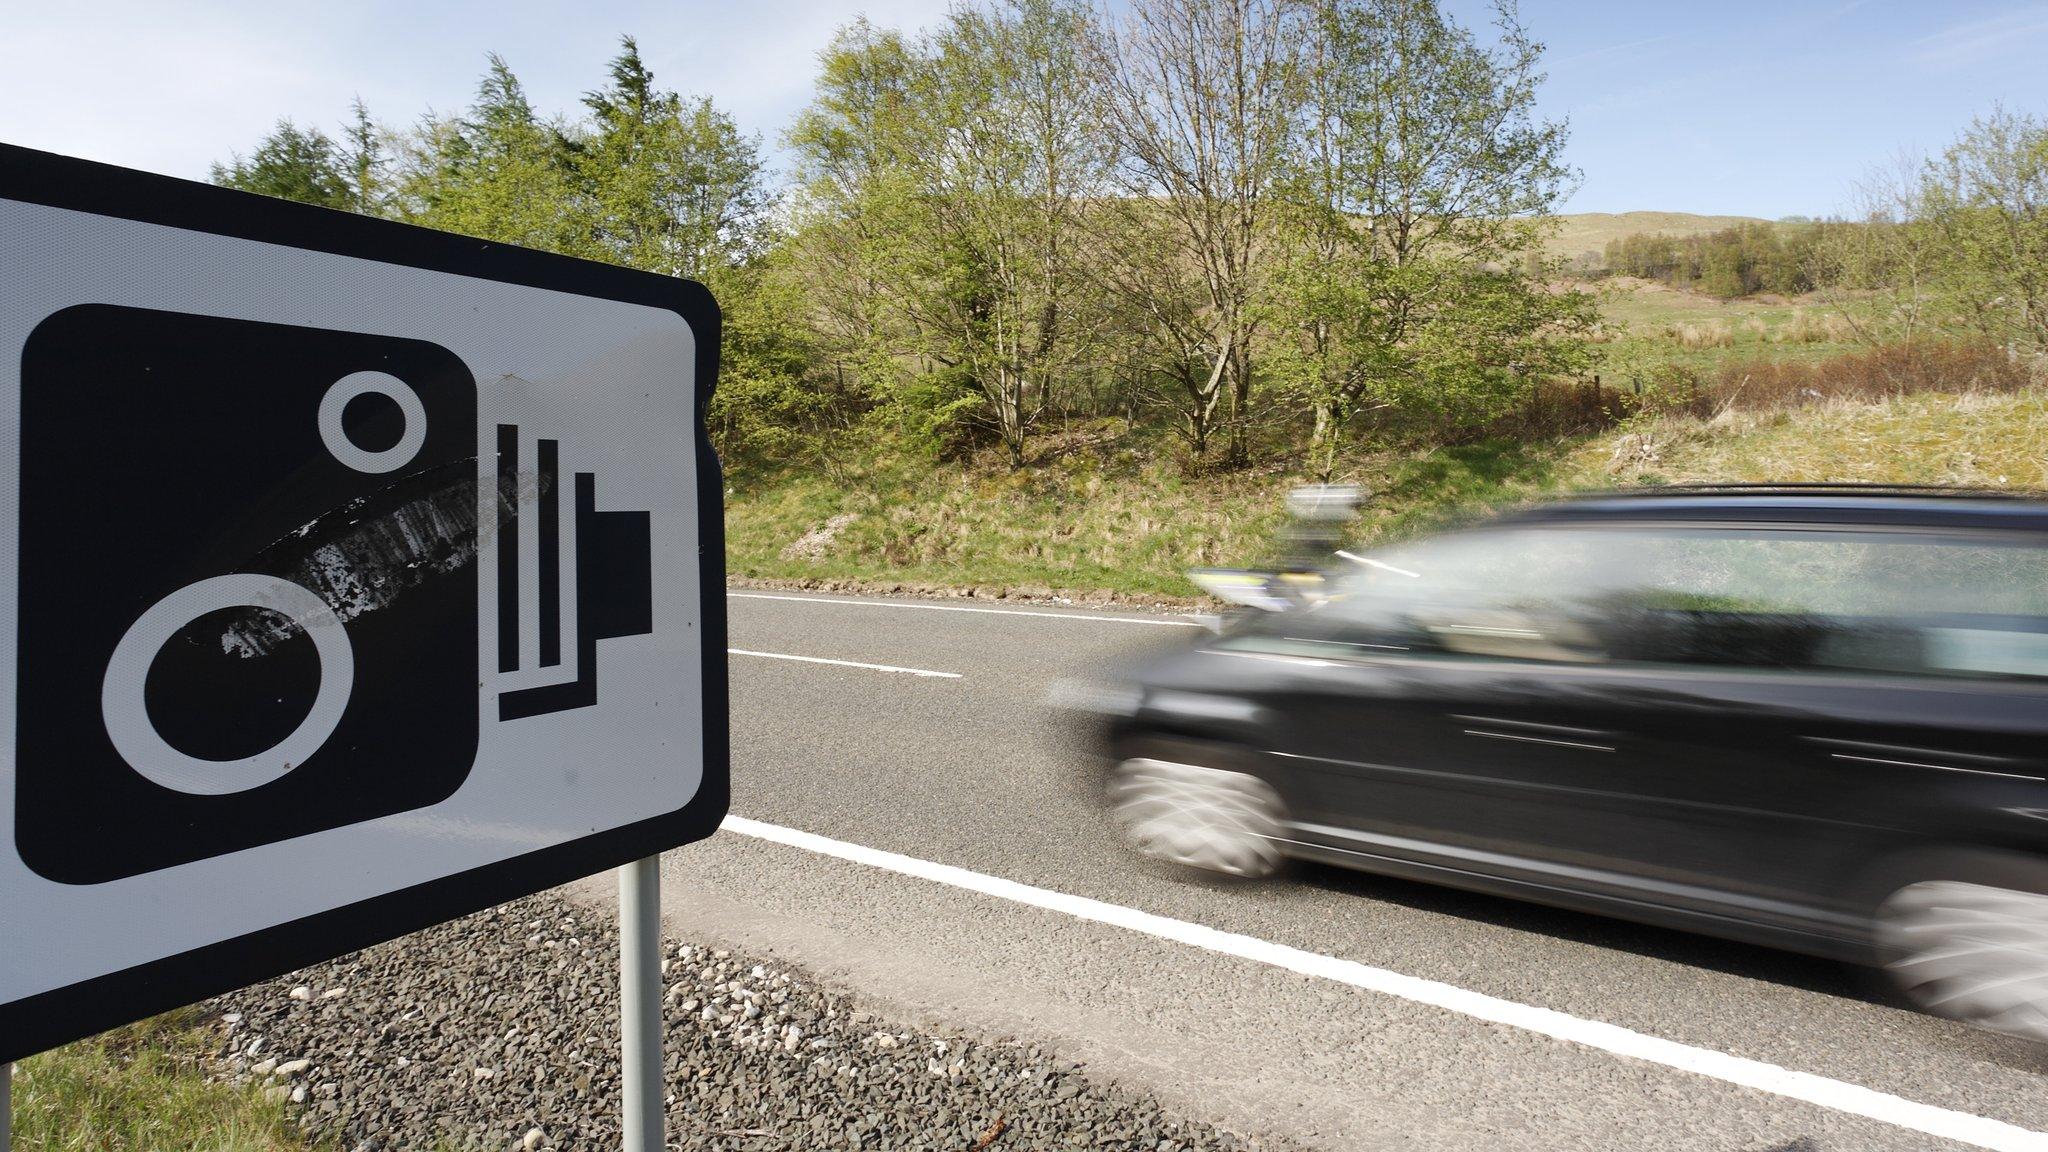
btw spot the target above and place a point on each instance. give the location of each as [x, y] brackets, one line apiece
[355, 577]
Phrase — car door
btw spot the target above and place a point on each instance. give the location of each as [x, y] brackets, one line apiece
[1827, 697]
[1773, 710]
[1434, 693]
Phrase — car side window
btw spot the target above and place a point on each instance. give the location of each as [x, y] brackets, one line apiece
[1912, 603]
[1887, 602]
[1514, 593]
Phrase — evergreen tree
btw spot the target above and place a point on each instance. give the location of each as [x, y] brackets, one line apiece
[363, 158]
[499, 173]
[293, 163]
[672, 186]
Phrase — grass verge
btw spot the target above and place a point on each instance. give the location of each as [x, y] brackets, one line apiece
[144, 1088]
[1083, 527]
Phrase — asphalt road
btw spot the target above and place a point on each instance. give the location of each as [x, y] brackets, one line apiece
[968, 770]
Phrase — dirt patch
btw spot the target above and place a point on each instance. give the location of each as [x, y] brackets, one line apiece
[814, 544]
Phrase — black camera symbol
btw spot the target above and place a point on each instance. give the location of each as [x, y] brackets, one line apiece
[248, 600]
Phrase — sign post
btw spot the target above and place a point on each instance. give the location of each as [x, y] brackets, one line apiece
[640, 1029]
[353, 577]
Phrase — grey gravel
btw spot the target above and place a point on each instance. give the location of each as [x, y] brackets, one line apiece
[500, 1032]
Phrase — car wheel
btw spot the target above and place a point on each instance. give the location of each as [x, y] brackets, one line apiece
[1197, 816]
[1971, 944]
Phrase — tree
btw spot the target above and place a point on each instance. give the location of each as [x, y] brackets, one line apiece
[1987, 199]
[1955, 246]
[294, 163]
[1199, 99]
[847, 208]
[1412, 206]
[499, 173]
[989, 262]
[672, 185]
[363, 159]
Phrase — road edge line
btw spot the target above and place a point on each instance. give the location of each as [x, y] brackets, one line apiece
[843, 663]
[1806, 1087]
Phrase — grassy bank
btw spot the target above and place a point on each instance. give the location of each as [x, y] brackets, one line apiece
[144, 1089]
[1077, 527]
[1119, 525]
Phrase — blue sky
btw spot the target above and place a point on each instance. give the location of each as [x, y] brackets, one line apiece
[1740, 107]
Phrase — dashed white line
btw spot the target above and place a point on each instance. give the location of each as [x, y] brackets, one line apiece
[1839, 1095]
[844, 663]
[1163, 621]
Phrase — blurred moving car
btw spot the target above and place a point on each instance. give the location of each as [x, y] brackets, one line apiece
[1809, 717]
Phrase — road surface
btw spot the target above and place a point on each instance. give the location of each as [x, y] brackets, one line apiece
[1329, 1008]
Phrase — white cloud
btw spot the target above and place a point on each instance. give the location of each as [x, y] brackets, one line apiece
[2019, 30]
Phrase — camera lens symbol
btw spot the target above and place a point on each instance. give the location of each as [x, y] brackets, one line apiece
[384, 384]
[125, 712]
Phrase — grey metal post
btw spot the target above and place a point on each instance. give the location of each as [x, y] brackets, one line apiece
[640, 1004]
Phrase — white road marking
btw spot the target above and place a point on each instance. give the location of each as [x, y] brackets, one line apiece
[1163, 621]
[844, 663]
[1838, 1095]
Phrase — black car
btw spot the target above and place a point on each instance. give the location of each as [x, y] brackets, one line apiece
[1810, 717]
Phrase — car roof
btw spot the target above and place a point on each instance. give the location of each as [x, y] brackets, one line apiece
[1843, 504]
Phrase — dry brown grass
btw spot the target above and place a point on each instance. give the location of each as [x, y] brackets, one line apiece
[1810, 328]
[1889, 370]
[1703, 334]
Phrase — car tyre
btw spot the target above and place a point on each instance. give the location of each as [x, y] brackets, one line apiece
[1965, 936]
[1215, 819]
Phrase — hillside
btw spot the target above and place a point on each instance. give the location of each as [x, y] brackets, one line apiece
[1583, 232]
[1090, 525]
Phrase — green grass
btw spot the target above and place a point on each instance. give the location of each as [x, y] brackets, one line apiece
[143, 1089]
[1653, 323]
[1081, 526]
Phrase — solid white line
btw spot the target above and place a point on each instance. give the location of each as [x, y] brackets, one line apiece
[1838, 1095]
[844, 663]
[1164, 621]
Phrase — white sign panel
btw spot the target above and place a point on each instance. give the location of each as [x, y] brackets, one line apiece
[354, 577]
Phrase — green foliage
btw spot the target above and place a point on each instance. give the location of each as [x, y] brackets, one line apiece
[1986, 199]
[499, 173]
[944, 180]
[296, 164]
[1955, 247]
[1410, 274]
[1739, 261]
[668, 185]
[1310, 231]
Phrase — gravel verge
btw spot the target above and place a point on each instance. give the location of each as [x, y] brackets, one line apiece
[500, 1031]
